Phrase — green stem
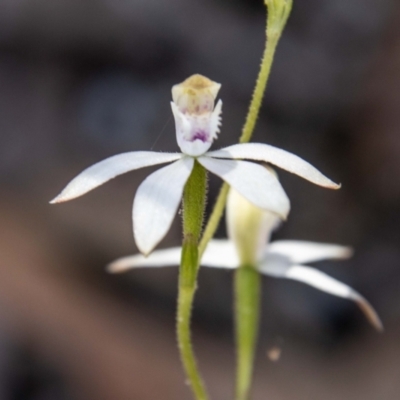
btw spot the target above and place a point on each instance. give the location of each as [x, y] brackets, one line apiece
[247, 131]
[193, 210]
[258, 94]
[247, 310]
[214, 219]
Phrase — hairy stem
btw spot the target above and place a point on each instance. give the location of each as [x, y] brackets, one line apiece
[214, 219]
[193, 210]
[258, 94]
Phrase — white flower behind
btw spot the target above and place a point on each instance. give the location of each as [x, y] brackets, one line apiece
[249, 229]
[197, 124]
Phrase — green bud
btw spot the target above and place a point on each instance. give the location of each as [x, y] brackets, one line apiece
[278, 14]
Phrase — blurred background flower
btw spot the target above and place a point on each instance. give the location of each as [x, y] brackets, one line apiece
[83, 80]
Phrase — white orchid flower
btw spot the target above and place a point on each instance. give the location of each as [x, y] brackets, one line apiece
[249, 229]
[197, 125]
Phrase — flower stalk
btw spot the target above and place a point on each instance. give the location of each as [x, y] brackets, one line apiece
[193, 211]
[249, 228]
[247, 315]
[278, 12]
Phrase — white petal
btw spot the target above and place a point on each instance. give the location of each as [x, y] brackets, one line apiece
[156, 202]
[219, 254]
[323, 282]
[281, 158]
[300, 252]
[159, 258]
[109, 168]
[254, 182]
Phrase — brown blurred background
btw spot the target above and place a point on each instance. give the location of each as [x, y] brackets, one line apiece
[81, 80]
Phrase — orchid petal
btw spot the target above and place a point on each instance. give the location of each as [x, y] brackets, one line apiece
[220, 253]
[281, 158]
[323, 282]
[254, 182]
[156, 202]
[109, 168]
[300, 252]
[159, 258]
